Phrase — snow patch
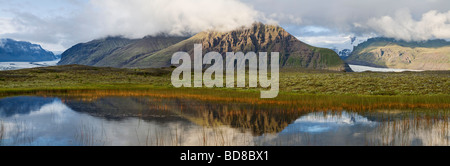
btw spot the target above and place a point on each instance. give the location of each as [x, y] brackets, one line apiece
[2, 43]
[35, 47]
[359, 68]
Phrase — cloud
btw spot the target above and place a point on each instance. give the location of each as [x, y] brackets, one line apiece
[283, 18]
[54, 33]
[138, 18]
[6, 26]
[433, 24]
[57, 25]
[345, 16]
[129, 18]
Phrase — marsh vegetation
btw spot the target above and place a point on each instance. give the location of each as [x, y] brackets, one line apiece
[292, 80]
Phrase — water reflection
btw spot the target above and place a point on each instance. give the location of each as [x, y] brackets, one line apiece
[21, 105]
[330, 122]
[153, 121]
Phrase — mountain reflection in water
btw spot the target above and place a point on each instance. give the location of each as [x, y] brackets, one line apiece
[153, 121]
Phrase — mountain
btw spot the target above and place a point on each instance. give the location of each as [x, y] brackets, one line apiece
[115, 51]
[156, 52]
[92, 52]
[20, 51]
[391, 53]
[258, 38]
[343, 53]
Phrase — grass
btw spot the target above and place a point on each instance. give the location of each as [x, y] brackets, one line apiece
[292, 81]
[81, 77]
[369, 83]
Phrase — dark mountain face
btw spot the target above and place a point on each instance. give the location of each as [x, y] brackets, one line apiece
[115, 51]
[156, 52]
[19, 51]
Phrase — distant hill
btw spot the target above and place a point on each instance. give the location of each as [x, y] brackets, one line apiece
[20, 51]
[115, 51]
[391, 53]
[156, 52]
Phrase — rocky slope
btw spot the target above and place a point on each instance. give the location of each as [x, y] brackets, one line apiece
[390, 53]
[258, 38]
[20, 51]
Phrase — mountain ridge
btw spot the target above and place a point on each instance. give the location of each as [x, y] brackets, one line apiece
[23, 51]
[112, 51]
[258, 38]
[399, 54]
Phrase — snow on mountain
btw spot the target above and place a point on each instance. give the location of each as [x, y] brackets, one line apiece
[342, 53]
[2, 43]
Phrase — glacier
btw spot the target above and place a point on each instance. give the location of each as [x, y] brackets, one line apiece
[26, 65]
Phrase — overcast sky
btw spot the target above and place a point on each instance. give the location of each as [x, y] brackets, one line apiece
[59, 24]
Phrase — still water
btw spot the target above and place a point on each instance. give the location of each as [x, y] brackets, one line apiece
[152, 121]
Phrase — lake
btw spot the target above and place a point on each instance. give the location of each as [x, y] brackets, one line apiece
[102, 120]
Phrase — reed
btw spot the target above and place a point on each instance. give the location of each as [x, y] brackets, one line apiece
[90, 135]
[2, 132]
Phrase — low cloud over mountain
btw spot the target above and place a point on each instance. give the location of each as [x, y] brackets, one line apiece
[58, 25]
